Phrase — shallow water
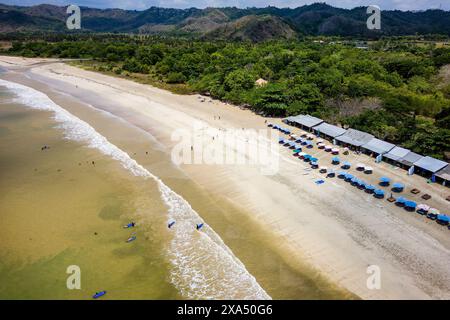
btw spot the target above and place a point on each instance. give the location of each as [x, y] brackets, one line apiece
[58, 209]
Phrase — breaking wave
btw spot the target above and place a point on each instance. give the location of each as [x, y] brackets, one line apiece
[203, 267]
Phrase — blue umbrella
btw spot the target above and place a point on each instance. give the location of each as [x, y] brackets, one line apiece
[401, 200]
[281, 140]
[379, 192]
[410, 204]
[443, 218]
[348, 176]
[398, 185]
[335, 160]
[385, 179]
[307, 156]
[314, 159]
[370, 187]
[342, 174]
[287, 131]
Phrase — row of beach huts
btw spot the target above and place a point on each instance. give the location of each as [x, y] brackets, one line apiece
[436, 170]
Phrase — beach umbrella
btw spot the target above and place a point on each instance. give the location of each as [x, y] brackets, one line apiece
[302, 154]
[275, 127]
[410, 204]
[287, 131]
[335, 150]
[348, 177]
[397, 187]
[281, 140]
[296, 151]
[423, 207]
[314, 165]
[335, 160]
[433, 211]
[368, 170]
[328, 148]
[379, 193]
[360, 166]
[310, 136]
[342, 174]
[400, 200]
[320, 141]
[346, 165]
[270, 125]
[443, 218]
[370, 187]
[314, 159]
[384, 181]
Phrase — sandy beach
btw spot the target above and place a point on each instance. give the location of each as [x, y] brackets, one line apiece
[333, 228]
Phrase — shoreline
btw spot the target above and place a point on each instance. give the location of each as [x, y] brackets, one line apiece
[339, 238]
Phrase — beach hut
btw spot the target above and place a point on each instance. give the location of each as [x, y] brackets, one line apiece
[335, 160]
[369, 188]
[443, 219]
[384, 181]
[328, 148]
[410, 205]
[394, 155]
[400, 201]
[314, 165]
[353, 139]
[360, 166]
[443, 176]
[368, 170]
[335, 151]
[328, 131]
[323, 169]
[376, 147]
[341, 174]
[378, 193]
[348, 177]
[398, 187]
[346, 165]
[305, 122]
[422, 209]
[433, 213]
[428, 166]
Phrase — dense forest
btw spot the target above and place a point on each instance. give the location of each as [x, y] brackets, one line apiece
[396, 88]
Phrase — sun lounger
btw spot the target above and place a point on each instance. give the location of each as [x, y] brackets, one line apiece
[426, 197]
[415, 191]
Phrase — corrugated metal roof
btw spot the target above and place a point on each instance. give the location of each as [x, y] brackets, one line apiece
[444, 173]
[430, 164]
[396, 153]
[307, 120]
[330, 130]
[355, 137]
[378, 146]
[410, 158]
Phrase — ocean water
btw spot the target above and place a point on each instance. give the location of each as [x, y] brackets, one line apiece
[66, 205]
[191, 264]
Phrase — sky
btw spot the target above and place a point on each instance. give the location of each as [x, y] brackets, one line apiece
[144, 4]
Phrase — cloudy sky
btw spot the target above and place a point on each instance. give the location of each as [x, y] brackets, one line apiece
[143, 4]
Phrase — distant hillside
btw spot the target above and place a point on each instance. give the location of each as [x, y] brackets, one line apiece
[255, 24]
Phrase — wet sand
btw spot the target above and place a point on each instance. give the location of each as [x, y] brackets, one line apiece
[337, 230]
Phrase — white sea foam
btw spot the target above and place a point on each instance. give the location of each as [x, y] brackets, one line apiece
[203, 267]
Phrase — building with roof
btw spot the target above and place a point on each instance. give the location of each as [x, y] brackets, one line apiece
[305, 122]
[428, 166]
[328, 131]
[376, 147]
[443, 176]
[395, 154]
[409, 160]
[354, 139]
